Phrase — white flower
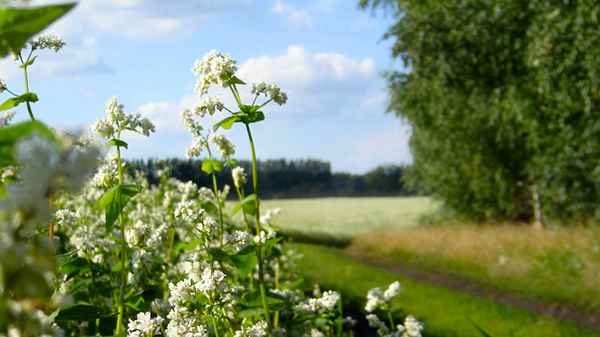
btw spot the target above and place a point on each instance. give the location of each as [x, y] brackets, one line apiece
[187, 210]
[271, 90]
[189, 123]
[2, 85]
[374, 322]
[198, 144]
[208, 105]
[412, 327]
[144, 325]
[65, 217]
[374, 299]
[5, 120]
[214, 68]
[239, 177]
[50, 41]
[262, 237]
[116, 118]
[392, 291]
[224, 146]
[238, 239]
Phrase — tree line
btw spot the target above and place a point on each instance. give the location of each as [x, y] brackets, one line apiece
[281, 178]
[503, 99]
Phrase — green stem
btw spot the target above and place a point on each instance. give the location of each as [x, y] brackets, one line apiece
[215, 187]
[120, 326]
[392, 326]
[27, 88]
[261, 280]
[240, 193]
[215, 326]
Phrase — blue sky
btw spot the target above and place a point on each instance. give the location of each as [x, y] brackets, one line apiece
[326, 54]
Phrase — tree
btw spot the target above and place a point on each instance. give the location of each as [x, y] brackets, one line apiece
[502, 97]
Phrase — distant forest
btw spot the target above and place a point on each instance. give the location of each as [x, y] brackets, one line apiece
[287, 178]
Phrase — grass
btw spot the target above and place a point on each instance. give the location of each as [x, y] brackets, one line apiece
[341, 219]
[556, 266]
[446, 313]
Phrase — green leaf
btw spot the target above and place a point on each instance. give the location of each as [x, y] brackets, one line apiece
[10, 134]
[15, 101]
[117, 142]
[28, 63]
[250, 312]
[125, 170]
[249, 205]
[252, 117]
[244, 261]
[17, 25]
[220, 255]
[82, 312]
[187, 246]
[209, 207]
[235, 80]
[481, 331]
[115, 199]
[297, 284]
[226, 123]
[138, 302]
[210, 166]
[232, 162]
[248, 109]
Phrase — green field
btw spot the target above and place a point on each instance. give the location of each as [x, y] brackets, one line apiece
[445, 312]
[344, 218]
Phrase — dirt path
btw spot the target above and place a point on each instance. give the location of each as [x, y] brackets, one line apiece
[558, 311]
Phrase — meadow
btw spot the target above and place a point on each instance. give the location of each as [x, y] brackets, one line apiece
[558, 268]
[338, 220]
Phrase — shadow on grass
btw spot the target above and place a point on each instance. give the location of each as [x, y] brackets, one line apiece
[317, 238]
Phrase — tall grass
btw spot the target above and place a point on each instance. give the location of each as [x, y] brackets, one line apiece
[560, 265]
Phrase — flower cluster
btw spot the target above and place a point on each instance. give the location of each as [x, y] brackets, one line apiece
[269, 90]
[50, 41]
[224, 146]
[208, 105]
[214, 68]
[377, 298]
[2, 86]
[144, 325]
[239, 176]
[117, 120]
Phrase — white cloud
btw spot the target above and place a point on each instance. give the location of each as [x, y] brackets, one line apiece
[147, 19]
[314, 82]
[295, 18]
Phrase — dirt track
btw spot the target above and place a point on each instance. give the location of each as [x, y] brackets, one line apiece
[558, 311]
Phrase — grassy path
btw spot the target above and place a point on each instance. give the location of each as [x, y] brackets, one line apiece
[445, 312]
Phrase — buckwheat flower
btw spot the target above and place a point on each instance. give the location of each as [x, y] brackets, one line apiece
[114, 111]
[259, 88]
[214, 68]
[103, 129]
[225, 192]
[208, 225]
[269, 217]
[187, 210]
[8, 174]
[259, 329]
[262, 237]
[208, 105]
[2, 86]
[182, 292]
[239, 176]
[224, 146]
[144, 325]
[238, 239]
[187, 189]
[270, 90]
[329, 300]
[376, 323]
[50, 41]
[413, 327]
[189, 123]
[206, 195]
[65, 217]
[5, 120]
[316, 333]
[374, 299]
[392, 291]
[198, 144]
